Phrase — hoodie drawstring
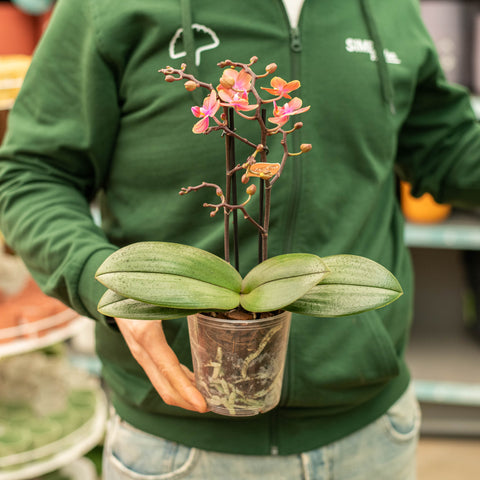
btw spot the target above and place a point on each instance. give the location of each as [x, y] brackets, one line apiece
[189, 45]
[383, 75]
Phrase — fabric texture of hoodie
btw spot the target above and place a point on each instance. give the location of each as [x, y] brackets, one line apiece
[95, 119]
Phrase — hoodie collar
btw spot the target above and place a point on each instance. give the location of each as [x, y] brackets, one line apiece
[293, 8]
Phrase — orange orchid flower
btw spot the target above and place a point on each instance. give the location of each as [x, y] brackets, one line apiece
[281, 115]
[280, 88]
[263, 170]
[237, 100]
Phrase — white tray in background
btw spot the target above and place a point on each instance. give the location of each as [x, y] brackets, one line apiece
[19, 344]
[80, 469]
[60, 453]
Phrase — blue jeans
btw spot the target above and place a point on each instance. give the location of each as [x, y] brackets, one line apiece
[385, 449]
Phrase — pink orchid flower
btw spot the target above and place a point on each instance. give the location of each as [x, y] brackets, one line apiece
[209, 108]
[240, 81]
[237, 100]
[233, 89]
[280, 88]
[281, 115]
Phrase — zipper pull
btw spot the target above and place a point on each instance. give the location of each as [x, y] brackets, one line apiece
[295, 41]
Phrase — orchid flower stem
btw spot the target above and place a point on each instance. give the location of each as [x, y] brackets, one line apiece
[261, 216]
[232, 181]
[266, 220]
[228, 188]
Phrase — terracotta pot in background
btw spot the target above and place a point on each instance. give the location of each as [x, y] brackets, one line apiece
[20, 32]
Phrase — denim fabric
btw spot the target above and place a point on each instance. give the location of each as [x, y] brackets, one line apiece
[384, 449]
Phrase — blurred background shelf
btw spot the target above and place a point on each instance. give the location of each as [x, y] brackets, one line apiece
[460, 231]
[31, 464]
[62, 420]
[443, 354]
[40, 334]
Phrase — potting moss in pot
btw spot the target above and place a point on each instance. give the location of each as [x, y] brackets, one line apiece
[239, 326]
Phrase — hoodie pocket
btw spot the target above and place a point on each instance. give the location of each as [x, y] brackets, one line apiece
[339, 363]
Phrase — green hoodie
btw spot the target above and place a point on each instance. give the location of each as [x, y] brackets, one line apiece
[96, 119]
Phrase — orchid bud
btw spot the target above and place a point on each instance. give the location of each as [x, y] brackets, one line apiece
[212, 214]
[190, 85]
[183, 66]
[169, 78]
[270, 68]
[298, 125]
[227, 82]
[245, 178]
[305, 147]
[254, 59]
[219, 192]
[251, 189]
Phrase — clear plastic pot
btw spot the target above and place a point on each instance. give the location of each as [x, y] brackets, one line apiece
[239, 364]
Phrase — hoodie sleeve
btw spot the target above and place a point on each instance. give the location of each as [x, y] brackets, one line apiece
[55, 158]
[439, 144]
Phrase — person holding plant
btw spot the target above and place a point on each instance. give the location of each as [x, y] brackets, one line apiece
[96, 121]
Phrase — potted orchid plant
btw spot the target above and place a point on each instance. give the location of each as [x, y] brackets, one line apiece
[239, 326]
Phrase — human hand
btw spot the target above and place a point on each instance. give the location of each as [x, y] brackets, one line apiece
[174, 382]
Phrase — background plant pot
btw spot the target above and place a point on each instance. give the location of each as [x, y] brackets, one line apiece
[239, 364]
[424, 209]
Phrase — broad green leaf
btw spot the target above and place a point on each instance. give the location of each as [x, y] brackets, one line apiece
[114, 305]
[289, 265]
[173, 259]
[355, 284]
[356, 270]
[173, 291]
[281, 280]
[341, 300]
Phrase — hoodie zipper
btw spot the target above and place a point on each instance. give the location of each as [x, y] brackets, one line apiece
[290, 214]
[294, 197]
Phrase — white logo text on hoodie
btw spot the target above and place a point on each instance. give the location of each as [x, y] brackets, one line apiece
[358, 45]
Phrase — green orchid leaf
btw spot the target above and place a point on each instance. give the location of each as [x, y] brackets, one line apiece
[114, 305]
[355, 285]
[173, 259]
[356, 270]
[171, 275]
[281, 280]
[173, 291]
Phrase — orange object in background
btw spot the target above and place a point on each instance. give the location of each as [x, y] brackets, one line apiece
[19, 31]
[423, 209]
